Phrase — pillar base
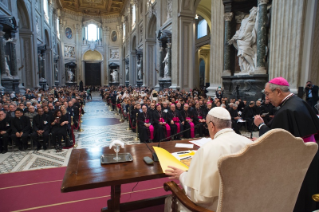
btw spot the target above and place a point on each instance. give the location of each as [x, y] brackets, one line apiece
[259, 70]
[7, 84]
[70, 83]
[165, 83]
[139, 83]
[43, 83]
[56, 83]
[226, 73]
[15, 85]
[212, 90]
[21, 89]
[127, 83]
[114, 83]
[245, 87]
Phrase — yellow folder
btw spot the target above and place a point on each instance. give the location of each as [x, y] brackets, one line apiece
[167, 159]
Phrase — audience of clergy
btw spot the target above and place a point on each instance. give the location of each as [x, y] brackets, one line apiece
[37, 115]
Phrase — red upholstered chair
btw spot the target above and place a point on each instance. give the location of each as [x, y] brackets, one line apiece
[265, 176]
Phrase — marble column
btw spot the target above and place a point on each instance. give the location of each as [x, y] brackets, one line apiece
[2, 56]
[227, 48]
[285, 56]
[14, 66]
[216, 46]
[105, 71]
[261, 37]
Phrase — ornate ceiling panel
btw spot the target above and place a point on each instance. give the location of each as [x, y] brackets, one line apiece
[94, 7]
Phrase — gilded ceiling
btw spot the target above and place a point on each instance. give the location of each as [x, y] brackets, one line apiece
[94, 7]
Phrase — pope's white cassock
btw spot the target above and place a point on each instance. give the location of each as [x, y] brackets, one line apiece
[201, 182]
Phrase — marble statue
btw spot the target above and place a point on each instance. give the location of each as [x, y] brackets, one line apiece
[70, 75]
[245, 40]
[166, 66]
[56, 72]
[7, 74]
[115, 76]
[139, 70]
[126, 74]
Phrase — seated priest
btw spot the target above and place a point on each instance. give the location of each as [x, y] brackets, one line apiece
[135, 110]
[201, 181]
[41, 128]
[248, 115]
[176, 122]
[145, 128]
[5, 130]
[188, 117]
[200, 122]
[234, 118]
[162, 129]
[20, 126]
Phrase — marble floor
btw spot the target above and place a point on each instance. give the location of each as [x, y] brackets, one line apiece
[100, 127]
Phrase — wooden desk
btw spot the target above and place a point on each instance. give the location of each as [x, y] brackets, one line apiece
[85, 171]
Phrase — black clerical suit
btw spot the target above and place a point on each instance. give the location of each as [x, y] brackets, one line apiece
[159, 130]
[187, 114]
[234, 114]
[298, 117]
[267, 108]
[200, 126]
[133, 118]
[21, 124]
[170, 116]
[144, 132]
[5, 125]
[59, 131]
[76, 112]
[248, 115]
[41, 122]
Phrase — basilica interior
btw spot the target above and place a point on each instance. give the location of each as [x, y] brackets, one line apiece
[167, 45]
[161, 44]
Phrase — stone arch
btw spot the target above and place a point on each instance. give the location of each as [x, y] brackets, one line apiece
[23, 15]
[92, 56]
[204, 9]
[152, 27]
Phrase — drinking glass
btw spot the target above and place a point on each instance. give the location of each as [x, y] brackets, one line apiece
[117, 148]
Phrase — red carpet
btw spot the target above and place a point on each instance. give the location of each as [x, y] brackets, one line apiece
[39, 190]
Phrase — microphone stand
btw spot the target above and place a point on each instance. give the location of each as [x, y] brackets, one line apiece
[154, 156]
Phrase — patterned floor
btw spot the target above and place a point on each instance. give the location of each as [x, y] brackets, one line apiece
[96, 134]
[100, 127]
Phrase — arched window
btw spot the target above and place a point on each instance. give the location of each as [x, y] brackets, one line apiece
[202, 27]
[92, 32]
[124, 32]
[46, 10]
[133, 16]
[58, 27]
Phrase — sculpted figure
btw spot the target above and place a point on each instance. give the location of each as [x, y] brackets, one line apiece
[166, 66]
[70, 75]
[115, 76]
[245, 40]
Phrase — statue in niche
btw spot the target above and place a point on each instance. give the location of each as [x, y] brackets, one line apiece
[126, 74]
[166, 66]
[115, 76]
[7, 73]
[70, 75]
[56, 72]
[245, 40]
[139, 70]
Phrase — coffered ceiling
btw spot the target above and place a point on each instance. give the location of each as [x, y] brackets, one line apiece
[94, 7]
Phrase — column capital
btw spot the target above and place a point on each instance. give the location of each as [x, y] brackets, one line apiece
[228, 16]
[260, 2]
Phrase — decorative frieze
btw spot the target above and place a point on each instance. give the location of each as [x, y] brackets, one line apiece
[69, 51]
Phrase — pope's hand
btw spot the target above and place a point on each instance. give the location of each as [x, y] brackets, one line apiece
[173, 172]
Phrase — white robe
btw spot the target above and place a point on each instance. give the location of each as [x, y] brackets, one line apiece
[201, 182]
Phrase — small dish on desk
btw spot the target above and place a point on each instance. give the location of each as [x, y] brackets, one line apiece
[108, 158]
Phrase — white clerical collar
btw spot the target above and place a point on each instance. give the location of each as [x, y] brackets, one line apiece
[287, 97]
[220, 132]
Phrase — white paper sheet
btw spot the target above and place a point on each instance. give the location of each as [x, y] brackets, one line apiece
[180, 145]
[201, 141]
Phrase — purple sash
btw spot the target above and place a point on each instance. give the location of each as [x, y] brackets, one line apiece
[176, 121]
[168, 128]
[192, 127]
[309, 139]
[151, 128]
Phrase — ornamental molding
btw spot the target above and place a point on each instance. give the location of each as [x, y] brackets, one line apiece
[228, 16]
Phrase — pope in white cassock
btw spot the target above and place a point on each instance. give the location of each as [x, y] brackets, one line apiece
[201, 182]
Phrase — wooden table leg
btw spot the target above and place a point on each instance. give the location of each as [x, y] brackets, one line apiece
[113, 204]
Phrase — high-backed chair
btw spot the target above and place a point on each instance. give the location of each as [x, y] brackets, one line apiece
[265, 176]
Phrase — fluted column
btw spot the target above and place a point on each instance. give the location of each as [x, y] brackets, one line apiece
[261, 37]
[216, 46]
[2, 56]
[161, 58]
[169, 52]
[227, 48]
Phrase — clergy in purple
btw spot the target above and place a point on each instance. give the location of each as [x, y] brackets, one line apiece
[297, 117]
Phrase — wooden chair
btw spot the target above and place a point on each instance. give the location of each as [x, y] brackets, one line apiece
[265, 176]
